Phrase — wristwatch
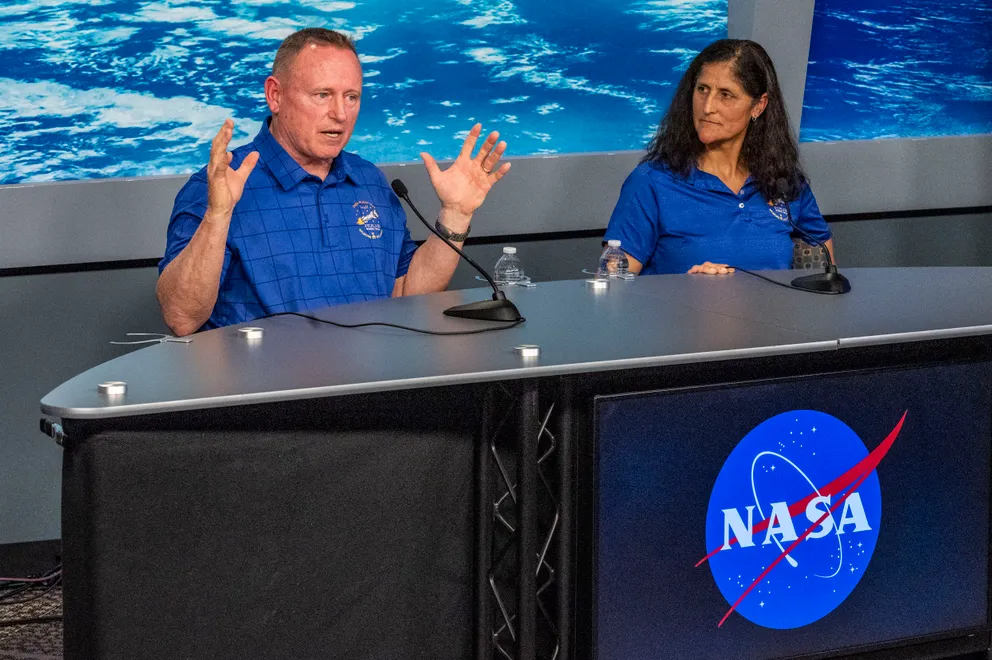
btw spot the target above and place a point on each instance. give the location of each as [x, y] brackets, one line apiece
[450, 235]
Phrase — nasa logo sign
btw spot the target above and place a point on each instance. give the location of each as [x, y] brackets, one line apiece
[793, 518]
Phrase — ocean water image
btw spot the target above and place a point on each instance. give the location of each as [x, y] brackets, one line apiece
[113, 88]
[898, 69]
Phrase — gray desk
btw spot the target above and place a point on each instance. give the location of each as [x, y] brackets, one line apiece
[651, 321]
[663, 326]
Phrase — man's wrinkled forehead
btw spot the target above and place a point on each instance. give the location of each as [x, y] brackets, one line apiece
[312, 55]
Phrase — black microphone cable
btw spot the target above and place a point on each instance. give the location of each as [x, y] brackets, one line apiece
[499, 308]
[368, 324]
[829, 282]
[403, 193]
[787, 285]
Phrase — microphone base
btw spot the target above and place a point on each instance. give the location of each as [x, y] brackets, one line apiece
[486, 310]
[830, 282]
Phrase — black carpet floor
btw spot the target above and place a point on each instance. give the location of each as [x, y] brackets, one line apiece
[31, 628]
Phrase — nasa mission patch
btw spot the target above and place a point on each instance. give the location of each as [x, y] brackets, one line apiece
[779, 210]
[367, 219]
[793, 519]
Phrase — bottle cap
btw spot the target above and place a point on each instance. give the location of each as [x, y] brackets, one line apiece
[613, 243]
[509, 250]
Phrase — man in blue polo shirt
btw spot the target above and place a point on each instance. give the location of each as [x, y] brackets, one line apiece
[292, 222]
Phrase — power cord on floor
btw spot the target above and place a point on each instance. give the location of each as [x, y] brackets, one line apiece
[6, 623]
[11, 588]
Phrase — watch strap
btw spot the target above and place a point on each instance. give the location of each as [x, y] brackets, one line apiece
[450, 235]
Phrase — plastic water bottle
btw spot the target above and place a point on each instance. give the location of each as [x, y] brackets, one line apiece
[613, 262]
[508, 269]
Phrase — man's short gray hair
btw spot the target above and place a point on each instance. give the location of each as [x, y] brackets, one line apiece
[294, 43]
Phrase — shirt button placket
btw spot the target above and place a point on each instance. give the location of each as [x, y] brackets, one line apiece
[320, 219]
[747, 216]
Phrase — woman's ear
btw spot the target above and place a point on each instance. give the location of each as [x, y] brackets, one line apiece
[759, 106]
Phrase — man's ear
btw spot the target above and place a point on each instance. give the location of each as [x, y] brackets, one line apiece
[273, 94]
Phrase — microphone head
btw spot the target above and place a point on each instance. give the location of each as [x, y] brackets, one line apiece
[783, 187]
[400, 188]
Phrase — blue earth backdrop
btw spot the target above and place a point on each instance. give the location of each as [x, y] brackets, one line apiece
[898, 69]
[113, 88]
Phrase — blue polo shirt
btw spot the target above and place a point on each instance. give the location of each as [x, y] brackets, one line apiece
[671, 224]
[296, 242]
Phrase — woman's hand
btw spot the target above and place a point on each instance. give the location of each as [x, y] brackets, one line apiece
[708, 268]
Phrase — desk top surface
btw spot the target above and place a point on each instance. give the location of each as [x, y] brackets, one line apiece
[649, 321]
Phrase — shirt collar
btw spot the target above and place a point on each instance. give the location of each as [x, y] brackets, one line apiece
[343, 168]
[706, 181]
[287, 171]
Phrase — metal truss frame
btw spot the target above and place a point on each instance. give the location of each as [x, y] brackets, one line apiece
[524, 504]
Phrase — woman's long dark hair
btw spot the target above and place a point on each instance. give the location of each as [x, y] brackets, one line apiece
[769, 152]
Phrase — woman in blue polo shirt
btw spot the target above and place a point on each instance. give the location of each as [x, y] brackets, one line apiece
[706, 194]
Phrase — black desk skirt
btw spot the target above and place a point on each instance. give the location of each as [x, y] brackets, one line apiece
[278, 531]
[350, 527]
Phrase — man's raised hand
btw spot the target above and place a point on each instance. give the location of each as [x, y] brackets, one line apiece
[464, 185]
[224, 184]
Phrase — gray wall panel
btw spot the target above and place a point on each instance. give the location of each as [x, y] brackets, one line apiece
[540, 194]
[783, 28]
[952, 240]
[53, 327]
[75, 222]
[740, 18]
[868, 176]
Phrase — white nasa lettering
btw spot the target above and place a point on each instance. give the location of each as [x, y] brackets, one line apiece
[780, 522]
[853, 514]
[813, 513]
[732, 521]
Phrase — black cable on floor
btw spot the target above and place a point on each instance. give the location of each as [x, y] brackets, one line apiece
[47, 591]
[14, 590]
[29, 621]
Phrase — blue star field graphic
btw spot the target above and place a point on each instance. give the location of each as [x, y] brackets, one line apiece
[783, 461]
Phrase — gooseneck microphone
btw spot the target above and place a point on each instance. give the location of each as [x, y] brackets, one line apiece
[497, 309]
[829, 281]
